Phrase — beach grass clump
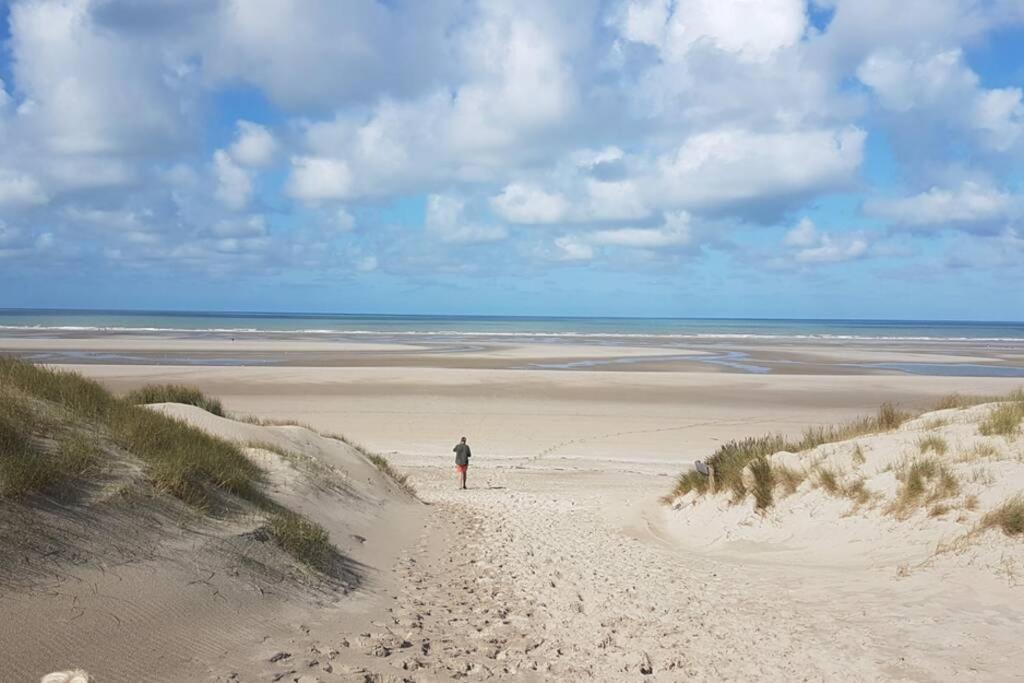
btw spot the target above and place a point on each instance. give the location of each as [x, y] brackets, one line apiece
[763, 483]
[956, 400]
[44, 443]
[1009, 517]
[857, 491]
[301, 538]
[1004, 420]
[37, 454]
[788, 478]
[934, 443]
[731, 459]
[888, 418]
[828, 479]
[182, 460]
[686, 482]
[175, 393]
[923, 481]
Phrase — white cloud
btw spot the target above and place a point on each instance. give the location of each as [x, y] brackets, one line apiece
[675, 232]
[731, 166]
[573, 248]
[522, 203]
[445, 220]
[805, 234]
[93, 92]
[20, 189]
[940, 90]
[971, 206]
[811, 246]
[751, 29]
[316, 179]
[234, 186]
[254, 145]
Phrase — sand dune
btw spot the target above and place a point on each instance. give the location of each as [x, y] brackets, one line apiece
[143, 588]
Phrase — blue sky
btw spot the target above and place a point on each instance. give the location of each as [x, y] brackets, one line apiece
[769, 158]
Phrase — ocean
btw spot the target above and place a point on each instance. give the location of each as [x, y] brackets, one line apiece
[552, 328]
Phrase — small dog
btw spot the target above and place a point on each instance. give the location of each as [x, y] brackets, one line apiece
[76, 676]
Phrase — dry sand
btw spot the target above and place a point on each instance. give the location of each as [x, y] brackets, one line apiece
[560, 564]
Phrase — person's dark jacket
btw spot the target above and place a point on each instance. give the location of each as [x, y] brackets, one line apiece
[462, 454]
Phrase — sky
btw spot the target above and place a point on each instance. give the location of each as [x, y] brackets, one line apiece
[726, 158]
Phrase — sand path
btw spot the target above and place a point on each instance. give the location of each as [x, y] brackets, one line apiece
[533, 576]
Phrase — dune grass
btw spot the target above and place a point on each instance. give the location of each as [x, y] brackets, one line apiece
[828, 480]
[789, 478]
[54, 425]
[37, 455]
[1004, 420]
[923, 481]
[301, 538]
[1009, 517]
[764, 483]
[934, 443]
[731, 459]
[175, 393]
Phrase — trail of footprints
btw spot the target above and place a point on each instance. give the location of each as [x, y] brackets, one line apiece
[532, 586]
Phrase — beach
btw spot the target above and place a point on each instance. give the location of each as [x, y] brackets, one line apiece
[561, 562]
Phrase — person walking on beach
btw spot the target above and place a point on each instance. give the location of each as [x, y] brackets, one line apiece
[462, 454]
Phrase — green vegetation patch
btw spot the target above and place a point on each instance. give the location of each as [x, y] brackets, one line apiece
[175, 393]
[301, 538]
[43, 443]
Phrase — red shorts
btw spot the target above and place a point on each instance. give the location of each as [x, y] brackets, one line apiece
[461, 468]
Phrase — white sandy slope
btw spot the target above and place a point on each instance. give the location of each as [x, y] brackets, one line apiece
[813, 526]
[145, 589]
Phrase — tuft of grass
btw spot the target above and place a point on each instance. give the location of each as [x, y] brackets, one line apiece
[932, 442]
[175, 393]
[858, 455]
[301, 538]
[36, 453]
[789, 478]
[1004, 420]
[1009, 517]
[764, 483]
[962, 401]
[938, 510]
[981, 451]
[971, 502]
[686, 482]
[857, 491]
[829, 480]
[924, 481]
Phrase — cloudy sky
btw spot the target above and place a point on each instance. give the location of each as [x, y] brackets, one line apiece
[831, 158]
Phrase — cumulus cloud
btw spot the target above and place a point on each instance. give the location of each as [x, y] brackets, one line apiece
[637, 127]
[446, 221]
[234, 186]
[809, 245]
[751, 29]
[254, 145]
[20, 189]
[971, 206]
[716, 168]
[316, 179]
[522, 203]
[939, 89]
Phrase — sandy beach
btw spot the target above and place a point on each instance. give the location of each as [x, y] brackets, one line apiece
[560, 562]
